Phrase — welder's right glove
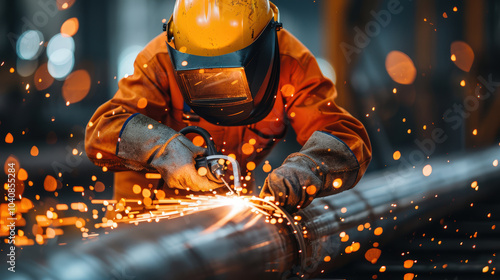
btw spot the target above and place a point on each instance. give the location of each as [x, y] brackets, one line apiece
[324, 166]
[144, 143]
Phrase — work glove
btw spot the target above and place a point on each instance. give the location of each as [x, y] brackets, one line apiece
[324, 166]
[144, 143]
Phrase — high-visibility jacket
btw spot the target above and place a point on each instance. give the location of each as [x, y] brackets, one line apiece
[305, 102]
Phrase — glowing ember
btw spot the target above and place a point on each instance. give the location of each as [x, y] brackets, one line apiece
[372, 255]
[311, 190]
[355, 246]
[198, 141]
[344, 238]
[408, 276]
[337, 183]
[348, 250]
[267, 167]
[22, 175]
[142, 103]
[251, 165]
[34, 151]
[9, 138]
[408, 264]
[287, 90]
[202, 171]
[247, 149]
[50, 183]
[396, 155]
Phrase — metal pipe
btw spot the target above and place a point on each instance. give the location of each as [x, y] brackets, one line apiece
[231, 242]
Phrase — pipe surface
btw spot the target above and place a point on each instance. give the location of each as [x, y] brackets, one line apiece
[232, 242]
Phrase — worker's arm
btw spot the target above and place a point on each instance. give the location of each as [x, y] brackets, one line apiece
[336, 149]
[144, 92]
[125, 132]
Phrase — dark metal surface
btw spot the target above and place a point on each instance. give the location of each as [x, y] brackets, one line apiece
[231, 242]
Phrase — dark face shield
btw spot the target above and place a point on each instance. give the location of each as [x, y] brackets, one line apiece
[232, 89]
[216, 86]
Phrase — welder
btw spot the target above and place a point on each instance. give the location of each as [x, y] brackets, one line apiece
[229, 67]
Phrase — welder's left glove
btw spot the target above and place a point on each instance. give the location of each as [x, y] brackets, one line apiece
[325, 165]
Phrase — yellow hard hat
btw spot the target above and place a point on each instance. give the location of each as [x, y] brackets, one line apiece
[218, 27]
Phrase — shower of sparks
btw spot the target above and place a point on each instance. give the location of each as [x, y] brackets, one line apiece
[174, 208]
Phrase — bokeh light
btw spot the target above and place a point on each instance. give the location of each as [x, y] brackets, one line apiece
[427, 170]
[43, 79]
[142, 103]
[58, 42]
[29, 45]
[327, 69]
[372, 255]
[408, 264]
[60, 51]
[400, 68]
[9, 138]
[126, 60]
[26, 68]
[287, 90]
[61, 64]
[462, 55]
[34, 151]
[70, 27]
[50, 183]
[64, 4]
[76, 86]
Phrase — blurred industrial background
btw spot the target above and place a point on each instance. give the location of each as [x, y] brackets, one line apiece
[422, 76]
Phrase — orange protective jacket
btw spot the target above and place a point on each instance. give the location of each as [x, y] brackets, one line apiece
[305, 102]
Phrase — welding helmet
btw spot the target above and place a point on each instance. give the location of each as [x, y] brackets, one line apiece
[226, 58]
